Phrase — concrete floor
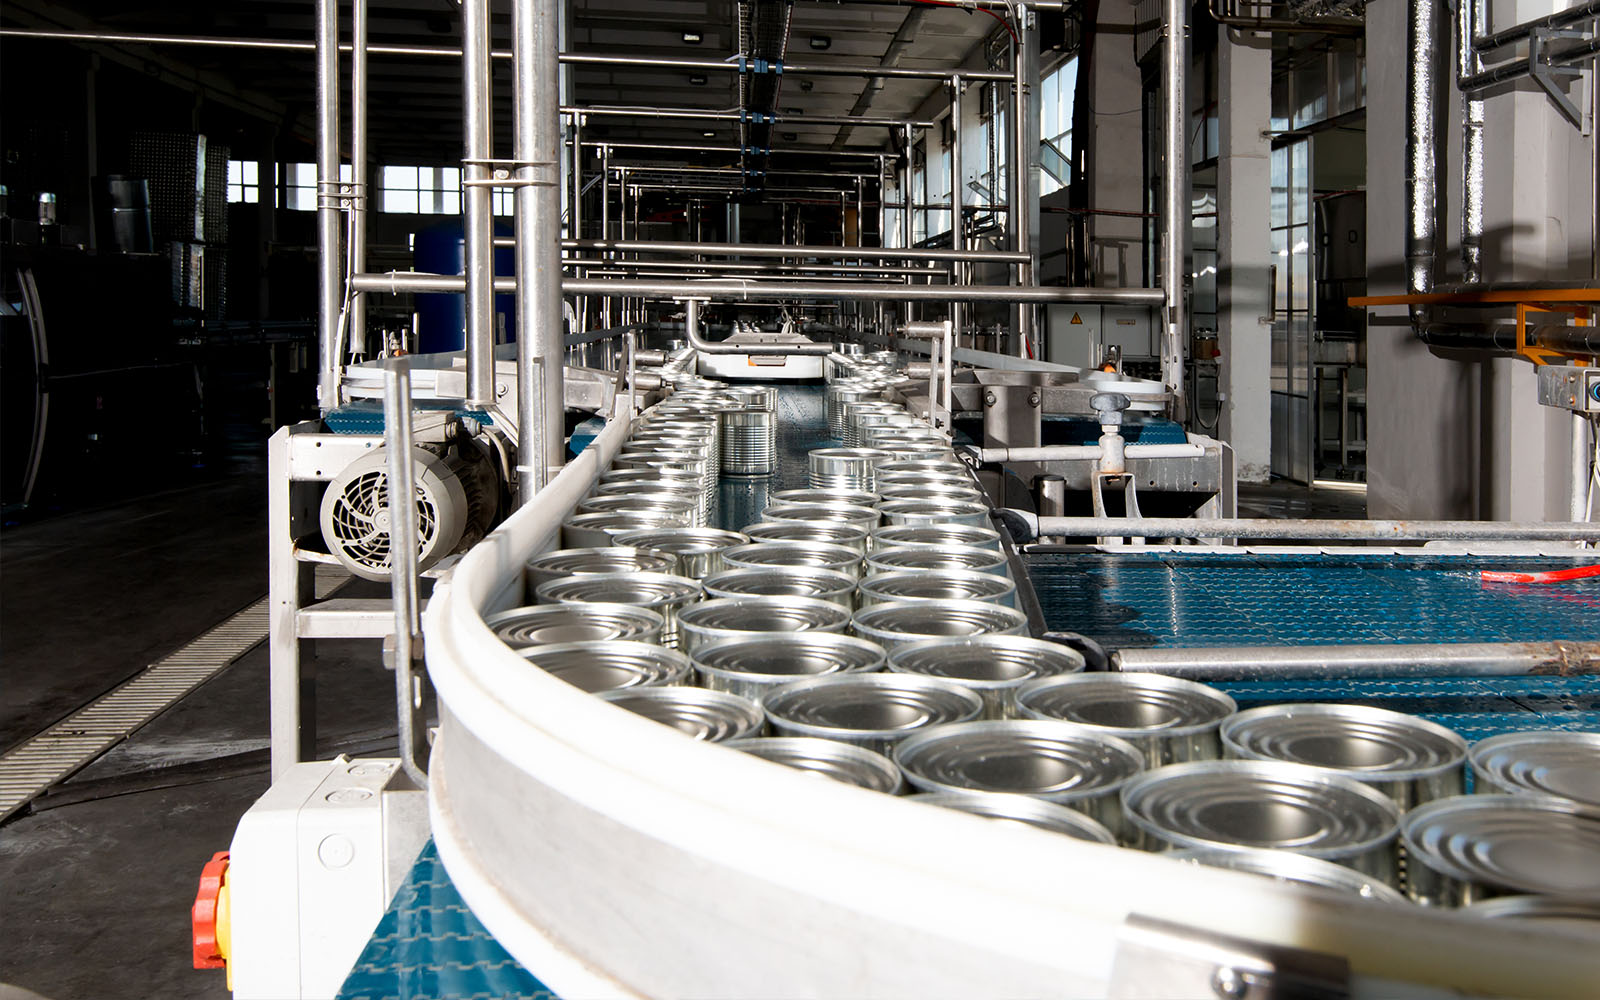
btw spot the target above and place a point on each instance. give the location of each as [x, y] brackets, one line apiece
[100, 877]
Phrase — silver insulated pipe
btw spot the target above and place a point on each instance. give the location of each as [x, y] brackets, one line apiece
[1425, 26]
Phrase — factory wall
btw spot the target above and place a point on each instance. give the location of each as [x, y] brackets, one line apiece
[1453, 434]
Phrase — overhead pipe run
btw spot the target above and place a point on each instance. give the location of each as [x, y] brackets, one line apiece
[1388, 660]
[691, 328]
[785, 250]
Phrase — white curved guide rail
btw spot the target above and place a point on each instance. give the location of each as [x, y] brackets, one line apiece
[615, 857]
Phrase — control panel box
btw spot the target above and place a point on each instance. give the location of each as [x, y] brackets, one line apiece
[1570, 387]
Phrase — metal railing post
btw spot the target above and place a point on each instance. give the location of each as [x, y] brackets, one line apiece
[410, 681]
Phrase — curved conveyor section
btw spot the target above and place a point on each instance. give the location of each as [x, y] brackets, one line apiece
[613, 856]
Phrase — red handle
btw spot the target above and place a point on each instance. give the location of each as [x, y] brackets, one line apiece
[203, 916]
[1552, 576]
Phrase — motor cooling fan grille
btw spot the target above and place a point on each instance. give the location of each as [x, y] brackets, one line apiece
[360, 520]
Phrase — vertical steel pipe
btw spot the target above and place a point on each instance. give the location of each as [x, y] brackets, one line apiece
[330, 242]
[360, 169]
[1425, 18]
[1025, 154]
[577, 177]
[1175, 198]
[404, 584]
[541, 414]
[957, 194]
[478, 198]
[1469, 62]
[605, 193]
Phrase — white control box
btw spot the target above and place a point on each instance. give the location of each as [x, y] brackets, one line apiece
[313, 865]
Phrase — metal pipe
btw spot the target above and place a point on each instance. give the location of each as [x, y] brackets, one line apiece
[1566, 338]
[1024, 173]
[1388, 660]
[1346, 27]
[957, 192]
[1578, 52]
[1175, 207]
[691, 328]
[1516, 33]
[784, 250]
[1580, 457]
[413, 282]
[330, 249]
[907, 198]
[576, 230]
[749, 266]
[695, 147]
[404, 586]
[735, 114]
[1311, 528]
[477, 199]
[1072, 452]
[1424, 26]
[360, 169]
[541, 410]
[1472, 152]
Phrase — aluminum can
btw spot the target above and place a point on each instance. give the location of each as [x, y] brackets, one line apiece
[610, 666]
[937, 557]
[994, 666]
[723, 618]
[872, 710]
[769, 555]
[662, 593]
[1548, 762]
[898, 536]
[851, 536]
[808, 495]
[698, 550]
[1295, 868]
[935, 512]
[712, 716]
[1474, 847]
[749, 442]
[558, 563]
[549, 624]
[938, 585]
[583, 531]
[1171, 720]
[865, 517]
[754, 665]
[894, 625]
[1069, 765]
[1266, 804]
[1579, 917]
[785, 581]
[826, 758]
[1411, 760]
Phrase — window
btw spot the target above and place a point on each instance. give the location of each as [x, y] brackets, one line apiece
[300, 185]
[1056, 92]
[421, 190]
[244, 182]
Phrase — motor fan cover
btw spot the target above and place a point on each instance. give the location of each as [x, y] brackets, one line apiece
[355, 512]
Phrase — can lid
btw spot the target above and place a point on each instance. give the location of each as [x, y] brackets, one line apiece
[806, 531]
[884, 706]
[610, 559]
[645, 589]
[1580, 916]
[682, 541]
[852, 765]
[762, 614]
[1128, 704]
[763, 554]
[1021, 809]
[1525, 843]
[931, 619]
[937, 585]
[713, 716]
[984, 660]
[1051, 760]
[1286, 866]
[848, 513]
[1550, 762]
[542, 624]
[926, 535]
[1365, 743]
[780, 581]
[934, 557]
[609, 666]
[802, 654]
[1267, 804]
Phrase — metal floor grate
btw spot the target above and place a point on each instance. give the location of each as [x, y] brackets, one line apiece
[71, 744]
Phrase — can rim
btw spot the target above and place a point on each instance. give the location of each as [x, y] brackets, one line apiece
[1221, 701]
[1353, 715]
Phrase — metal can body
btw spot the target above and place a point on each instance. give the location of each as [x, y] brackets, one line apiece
[754, 665]
[1170, 719]
[1266, 804]
[660, 592]
[851, 536]
[610, 666]
[1055, 761]
[1411, 760]
[1297, 868]
[749, 442]
[1021, 809]
[893, 625]
[865, 517]
[557, 563]
[1475, 847]
[826, 758]
[594, 530]
[872, 710]
[771, 555]
[1546, 762]
[712, 716]
[697, 550]
[785, 581]
[935, 512]
[723, 618]
[938, 585]
[924, 536]
[994, 666]
[550, 624]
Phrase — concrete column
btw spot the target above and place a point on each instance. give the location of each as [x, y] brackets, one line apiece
[1244, 249]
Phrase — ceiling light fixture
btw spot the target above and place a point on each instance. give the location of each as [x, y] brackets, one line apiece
[709, 135]
[692, 38]
[821, 42]
[697, 80]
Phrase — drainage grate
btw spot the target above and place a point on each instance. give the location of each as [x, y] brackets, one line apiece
[64, 748]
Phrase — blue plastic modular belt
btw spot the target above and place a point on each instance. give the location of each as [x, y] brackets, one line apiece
[428, 944]
[366, 416]
[1209, 599]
